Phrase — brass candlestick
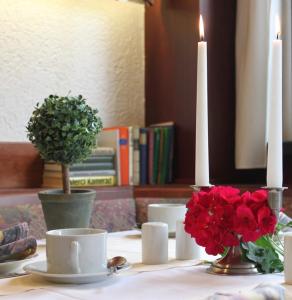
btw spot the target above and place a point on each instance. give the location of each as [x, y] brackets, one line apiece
[197, 188]
[275, 199]
[233, 263]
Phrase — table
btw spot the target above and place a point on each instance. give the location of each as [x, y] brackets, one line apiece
[185, 280]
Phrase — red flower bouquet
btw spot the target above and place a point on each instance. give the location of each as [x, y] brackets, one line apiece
[220, 217]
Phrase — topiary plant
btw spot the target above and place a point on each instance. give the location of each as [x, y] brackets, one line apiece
[64, 130]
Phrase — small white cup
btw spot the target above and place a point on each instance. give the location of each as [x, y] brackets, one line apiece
[76, 251]
[288, 257]
[186, 247]
[167, 213]
[154, 243]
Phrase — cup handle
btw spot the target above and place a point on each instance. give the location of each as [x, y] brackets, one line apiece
[74, 257]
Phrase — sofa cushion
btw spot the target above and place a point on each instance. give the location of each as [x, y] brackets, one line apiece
[110, 212]
[30, 213]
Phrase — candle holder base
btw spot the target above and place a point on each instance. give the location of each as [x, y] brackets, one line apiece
[275, 199]
[233, 264]
[198, 188]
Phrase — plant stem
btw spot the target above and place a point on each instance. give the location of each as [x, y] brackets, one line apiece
[279, 241]
[66, 179]
[277, 248]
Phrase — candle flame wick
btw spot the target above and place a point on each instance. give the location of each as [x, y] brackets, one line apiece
[201, 26]
[278, 27]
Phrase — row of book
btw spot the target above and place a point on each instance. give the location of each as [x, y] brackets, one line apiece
[124, 156]
[98, 170]
[157, 159]
[143, 155]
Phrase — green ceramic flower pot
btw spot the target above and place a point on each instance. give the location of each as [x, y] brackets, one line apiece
[67, 211]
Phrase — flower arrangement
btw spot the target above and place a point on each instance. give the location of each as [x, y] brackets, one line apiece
[220, 217]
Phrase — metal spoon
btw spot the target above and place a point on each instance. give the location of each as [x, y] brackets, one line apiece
[9, 275]
[116, 263]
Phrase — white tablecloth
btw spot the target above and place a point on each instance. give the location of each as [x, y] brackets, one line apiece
[176, 280]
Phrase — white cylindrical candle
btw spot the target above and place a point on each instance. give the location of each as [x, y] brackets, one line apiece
[185, 247]
[154, 243]
[275, 143]
[202, 149]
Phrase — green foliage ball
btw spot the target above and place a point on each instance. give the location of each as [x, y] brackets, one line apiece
[64, 129]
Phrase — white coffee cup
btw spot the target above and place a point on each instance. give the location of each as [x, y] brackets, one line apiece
[167, 213]
[186, 246]
[76, 251]
[288, 257]
[154, 243]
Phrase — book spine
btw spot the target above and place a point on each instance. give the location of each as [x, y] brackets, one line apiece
[143, 156]
[99, 159]
[118, 160]
[93, 173]
[136, 154]
[86, 165]
[160, 164]
[156, 154]
[93, 181]
[171, 151]
[150, 155]
[52, 174]
[103, 151]
[52, 167]
[131, 156]
[100, 180]
[124, 155]
[58, 174]
[92, 166]
[165, 160]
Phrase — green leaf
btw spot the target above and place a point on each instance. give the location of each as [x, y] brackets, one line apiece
[263, 254]
[264, 242]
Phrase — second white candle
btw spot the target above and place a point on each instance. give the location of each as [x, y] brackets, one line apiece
[275, 146]
[202, 148]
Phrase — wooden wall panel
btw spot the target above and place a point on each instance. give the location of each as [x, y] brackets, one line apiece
[171, 51]
[20, 166]
[219, 19]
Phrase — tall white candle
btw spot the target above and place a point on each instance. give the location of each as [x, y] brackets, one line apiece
[275, 151]
[202, 149]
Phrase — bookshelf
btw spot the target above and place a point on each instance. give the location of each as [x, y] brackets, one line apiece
[163, 191]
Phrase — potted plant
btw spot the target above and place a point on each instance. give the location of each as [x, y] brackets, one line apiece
[64, 130]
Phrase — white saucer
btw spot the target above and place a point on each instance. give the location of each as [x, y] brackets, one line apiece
[40, 268]
[14, 265]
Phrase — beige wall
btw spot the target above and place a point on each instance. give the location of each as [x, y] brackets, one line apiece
[90, 47]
